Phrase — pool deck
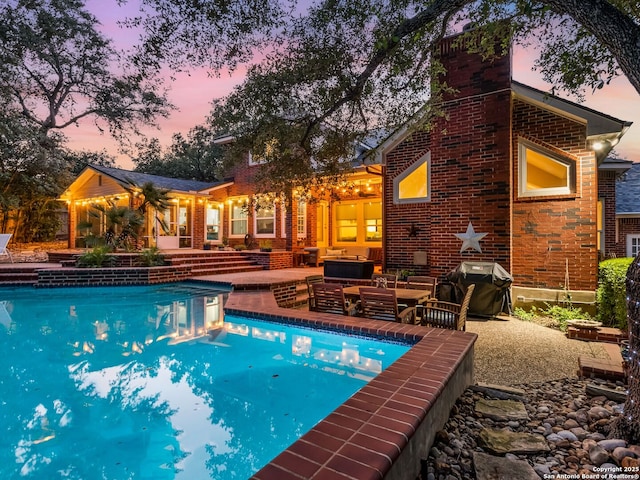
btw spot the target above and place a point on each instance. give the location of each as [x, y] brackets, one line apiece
[261, 279]
[386, 428]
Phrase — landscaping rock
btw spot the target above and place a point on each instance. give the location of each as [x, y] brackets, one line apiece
[502, 410]
[505, 441]
[488, 467]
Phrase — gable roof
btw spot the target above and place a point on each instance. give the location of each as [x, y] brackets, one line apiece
[174, 184]
[628, 192]
[602, 129]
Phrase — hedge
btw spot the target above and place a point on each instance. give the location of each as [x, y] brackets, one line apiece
[611, 294]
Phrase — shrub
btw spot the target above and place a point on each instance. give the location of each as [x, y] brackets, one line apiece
[611, 294]
[151, 257]
[553, 316]
[96, 257]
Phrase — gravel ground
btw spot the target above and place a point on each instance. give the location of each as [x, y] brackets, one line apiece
[510, 351]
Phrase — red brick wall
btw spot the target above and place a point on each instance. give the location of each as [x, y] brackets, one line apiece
[626, 226]
[474, 172]
[551, 233]
[470, 152]
[197, 241]
[607, 192]
[243, 185]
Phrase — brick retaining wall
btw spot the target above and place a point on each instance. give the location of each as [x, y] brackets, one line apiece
[71, 277]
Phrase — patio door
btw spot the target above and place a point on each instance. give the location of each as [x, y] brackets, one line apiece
[167, 235]
[322, 227]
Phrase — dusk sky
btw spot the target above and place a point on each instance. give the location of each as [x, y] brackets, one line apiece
[193, 93]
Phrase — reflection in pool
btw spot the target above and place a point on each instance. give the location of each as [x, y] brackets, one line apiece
[153, 382]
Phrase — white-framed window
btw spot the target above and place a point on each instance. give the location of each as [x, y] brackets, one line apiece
[414, 184]
[283, 221]
[213, 219]
[238, 218]
[357, 222]
[264, 221]
[301, 219]
[542, 173]
[633, 245]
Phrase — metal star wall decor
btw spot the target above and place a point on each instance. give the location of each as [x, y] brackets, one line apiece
[413, 230]
[470, 239]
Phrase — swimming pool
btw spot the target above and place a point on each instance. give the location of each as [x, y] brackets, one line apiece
[153, 382]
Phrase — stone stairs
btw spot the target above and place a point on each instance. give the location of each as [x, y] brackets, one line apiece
[199, 263]
[213, 263]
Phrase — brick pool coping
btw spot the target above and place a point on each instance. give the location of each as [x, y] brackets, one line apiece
[384, 429]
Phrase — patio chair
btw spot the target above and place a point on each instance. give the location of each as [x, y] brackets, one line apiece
[439, 314]
[420, 282]
[4, 241]
[311, 279]
[381, 304]
[329, 298]
[384, 280]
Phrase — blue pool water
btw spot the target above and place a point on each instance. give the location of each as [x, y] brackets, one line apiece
[153, 383]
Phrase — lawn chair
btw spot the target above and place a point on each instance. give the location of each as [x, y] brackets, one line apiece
[449, 315]
[329, 298]
[384, 280]
[4, 241]
[381, 304]
[311, 279]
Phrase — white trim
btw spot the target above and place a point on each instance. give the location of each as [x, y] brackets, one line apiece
[523, 192]
[301, 208]
[256, 217]
[220, 209]
[231, 219]
[426, 158]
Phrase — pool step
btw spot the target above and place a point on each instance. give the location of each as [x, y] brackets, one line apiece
[214, 264]
[18, 276]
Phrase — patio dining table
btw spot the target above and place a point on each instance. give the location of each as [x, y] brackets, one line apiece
[407, 296]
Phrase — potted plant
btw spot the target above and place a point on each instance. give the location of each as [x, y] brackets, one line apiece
[265, 246]
[206, 246]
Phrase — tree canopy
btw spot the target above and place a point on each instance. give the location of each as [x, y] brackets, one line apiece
[56, 69]
[196, 157]
[322, 75]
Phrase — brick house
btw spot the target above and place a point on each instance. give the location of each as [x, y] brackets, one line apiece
[519, 165]
[524, 168]
[98, 185]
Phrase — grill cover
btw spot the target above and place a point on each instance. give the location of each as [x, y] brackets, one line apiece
[491, 295]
